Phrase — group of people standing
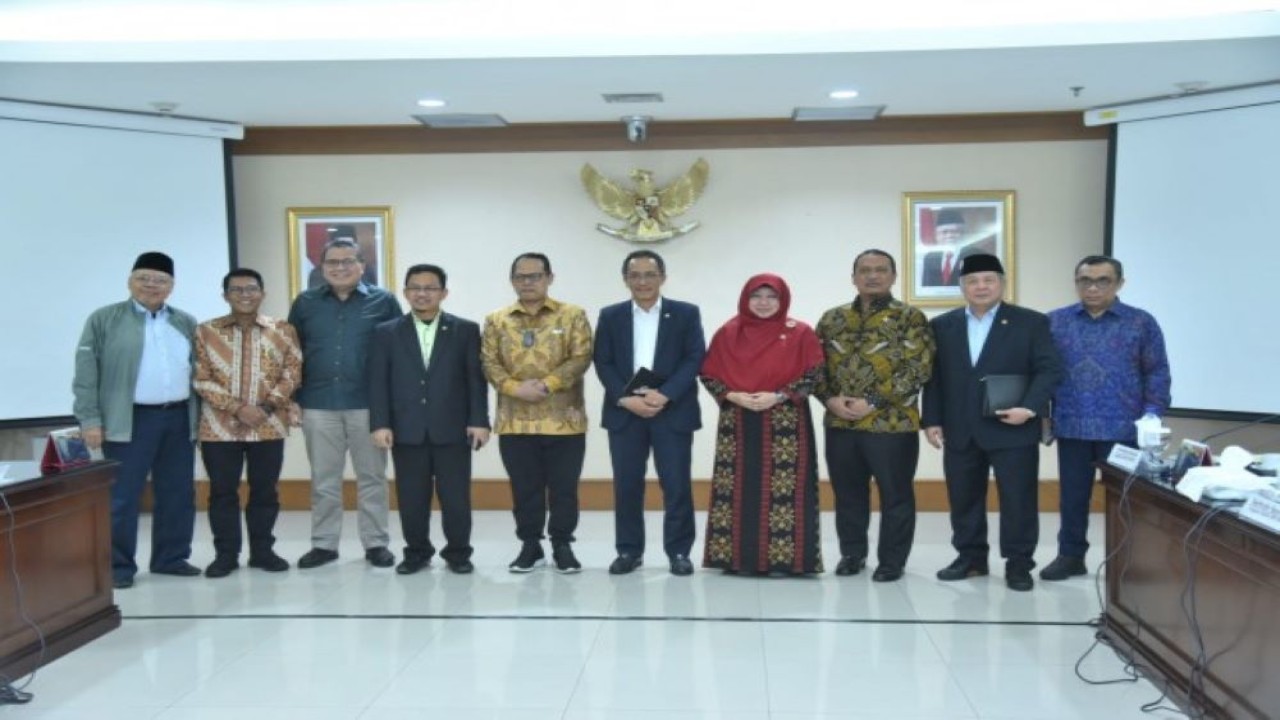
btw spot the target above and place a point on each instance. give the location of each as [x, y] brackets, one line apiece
[362, 378]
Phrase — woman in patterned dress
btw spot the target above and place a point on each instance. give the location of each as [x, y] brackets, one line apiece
[760, 368]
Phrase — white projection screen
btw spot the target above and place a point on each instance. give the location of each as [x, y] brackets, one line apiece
[79, 204]
[1196, 207]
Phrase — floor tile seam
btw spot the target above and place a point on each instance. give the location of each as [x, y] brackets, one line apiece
[201, 679]
[924, 622]
[955, 679]
[582, 667]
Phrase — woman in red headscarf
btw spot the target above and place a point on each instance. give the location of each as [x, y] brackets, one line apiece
[760, 368]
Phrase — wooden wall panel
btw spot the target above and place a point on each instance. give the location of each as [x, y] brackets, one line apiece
[725, 134]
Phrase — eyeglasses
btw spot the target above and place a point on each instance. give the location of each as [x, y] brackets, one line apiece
[160, 280]
[244, 290]
[528, 277]
[1102, 283]
[341, 262]
[422, 288]
[646, 276]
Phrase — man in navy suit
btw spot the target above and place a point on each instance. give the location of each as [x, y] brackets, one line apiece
[984, 338]
[663, 336]
[428, 404]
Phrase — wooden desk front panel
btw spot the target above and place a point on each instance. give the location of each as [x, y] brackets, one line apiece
[1237, 598]
[59, 531]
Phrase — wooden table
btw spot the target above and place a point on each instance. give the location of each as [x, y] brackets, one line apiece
[1237, 593]
[58, 530]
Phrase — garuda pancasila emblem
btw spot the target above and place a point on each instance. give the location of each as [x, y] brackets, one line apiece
[646, 209]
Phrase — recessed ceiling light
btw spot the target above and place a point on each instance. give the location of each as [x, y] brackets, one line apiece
[431, 102]
[843, 94]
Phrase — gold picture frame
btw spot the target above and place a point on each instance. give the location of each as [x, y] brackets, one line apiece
[309, 228]
[972, 221]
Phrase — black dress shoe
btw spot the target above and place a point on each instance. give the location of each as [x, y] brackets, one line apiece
[122, 583]
[379, 557]
[886, 573]
[268, 561]
[1063, 567]
[222, 566]
[315, 557]
[461, 567]
[182, 569]
[624, 564]
[850, 565]
[411, 564]
[680, 565]
[963, 568]
[1018, 579]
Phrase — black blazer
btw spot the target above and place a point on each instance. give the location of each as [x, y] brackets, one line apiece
[436, 403]
[1019, 344]
[677, 359]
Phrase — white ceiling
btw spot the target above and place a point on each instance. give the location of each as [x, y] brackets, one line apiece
[326, 62]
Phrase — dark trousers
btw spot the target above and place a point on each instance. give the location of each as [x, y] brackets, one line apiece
[853, 457]
[445, 472]
[1075, 488]
[224, 462]
[161, 446]
[544, 470]
[1017, 475]
[673, 457]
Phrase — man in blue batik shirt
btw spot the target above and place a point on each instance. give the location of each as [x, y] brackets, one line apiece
[1115, 371]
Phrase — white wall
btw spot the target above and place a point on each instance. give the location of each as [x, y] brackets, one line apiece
[803, 213]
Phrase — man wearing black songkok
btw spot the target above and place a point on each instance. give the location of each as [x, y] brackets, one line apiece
[133, 399]
[984, 342]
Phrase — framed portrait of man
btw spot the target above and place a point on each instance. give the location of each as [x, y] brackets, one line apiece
[941, 228]
[311, 228]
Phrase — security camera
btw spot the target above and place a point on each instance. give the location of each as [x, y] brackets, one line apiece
[637, 127]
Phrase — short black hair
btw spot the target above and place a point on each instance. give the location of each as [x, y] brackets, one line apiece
[427, 268]
[341, 242]
[1098, 260]
[893, 264]
[242, 272]
[642, 254]
[546, 263]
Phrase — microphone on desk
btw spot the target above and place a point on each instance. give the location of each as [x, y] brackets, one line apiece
[1241, 426]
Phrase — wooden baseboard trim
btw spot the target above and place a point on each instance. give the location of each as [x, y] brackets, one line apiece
[597, 494]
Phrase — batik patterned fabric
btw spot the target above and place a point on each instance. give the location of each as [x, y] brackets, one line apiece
[1115, 370]
[763, 515]
[883, 354]
[238, 366]
[553, 346]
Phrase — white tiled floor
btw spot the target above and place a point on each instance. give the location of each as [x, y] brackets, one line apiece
[347, 641]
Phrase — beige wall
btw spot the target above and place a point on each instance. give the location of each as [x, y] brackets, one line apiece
[803, 213]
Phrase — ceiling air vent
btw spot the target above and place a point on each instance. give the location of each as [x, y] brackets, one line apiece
[461, 120]
[637, 97]
[829, 114]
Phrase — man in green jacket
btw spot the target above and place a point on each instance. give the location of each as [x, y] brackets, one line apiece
[133, 400]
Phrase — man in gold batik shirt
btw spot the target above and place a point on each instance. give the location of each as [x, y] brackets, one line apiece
[879, 353]
[535, 353]
[247, 368]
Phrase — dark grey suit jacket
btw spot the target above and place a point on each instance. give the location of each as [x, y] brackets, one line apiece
[1019, 344]
[436, 402]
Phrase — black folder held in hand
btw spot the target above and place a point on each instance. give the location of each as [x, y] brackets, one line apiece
[1001, 392]
[644, 379]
